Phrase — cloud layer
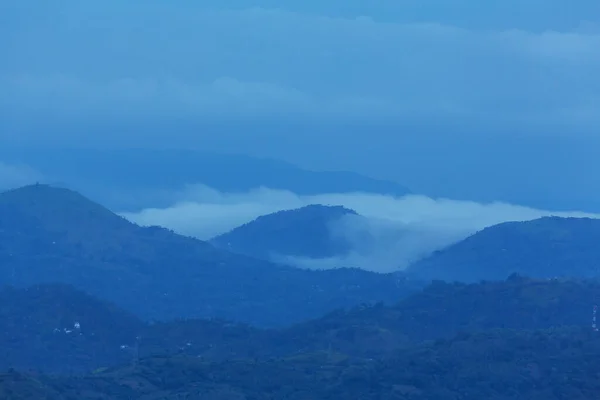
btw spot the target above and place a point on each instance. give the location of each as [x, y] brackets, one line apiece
[395, 232]
[437, 96]
[168, 60]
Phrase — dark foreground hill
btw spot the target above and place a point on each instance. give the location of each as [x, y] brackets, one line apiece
[497, 365]
[544, 248]
[302, 232]
[442, 310]
[60, 329]
[51, 235]
[37, 325]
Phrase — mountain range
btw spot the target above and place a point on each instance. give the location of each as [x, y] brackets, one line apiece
[54, 235]
[119, 178]
[96, 307]
[59, 329]
[546, 247]
[501, 340]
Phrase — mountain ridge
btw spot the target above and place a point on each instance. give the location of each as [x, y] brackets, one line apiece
[37, 325]
[299, 232]
[158, 274]
[546, 247]
[118, 177]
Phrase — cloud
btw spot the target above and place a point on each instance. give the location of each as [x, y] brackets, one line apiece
[389, 234]
[204, 212]
[139, 97]
[201, 62]
[167, 98]
[13, 176]
[438, 98]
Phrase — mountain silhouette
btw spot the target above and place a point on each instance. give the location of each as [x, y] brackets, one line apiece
[544, 248]
[55, 235]
[120, 179]
[37, 325]
[302, 232]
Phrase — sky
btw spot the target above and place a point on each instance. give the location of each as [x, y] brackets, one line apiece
[179, 59]
[472, 100]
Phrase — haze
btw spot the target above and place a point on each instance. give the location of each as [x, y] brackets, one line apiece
[474, 102]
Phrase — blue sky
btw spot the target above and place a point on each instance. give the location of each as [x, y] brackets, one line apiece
[484, 100]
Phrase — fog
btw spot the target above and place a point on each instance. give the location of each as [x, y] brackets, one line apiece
[389, 233]
[483, 102]
[438, 98]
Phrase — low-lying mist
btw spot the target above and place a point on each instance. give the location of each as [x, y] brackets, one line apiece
[388, 235]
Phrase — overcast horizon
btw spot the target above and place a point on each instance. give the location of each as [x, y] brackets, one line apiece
[483, 102]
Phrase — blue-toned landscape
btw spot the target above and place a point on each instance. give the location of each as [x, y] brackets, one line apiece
[260, 200]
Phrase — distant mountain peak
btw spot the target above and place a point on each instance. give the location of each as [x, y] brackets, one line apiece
[39, 189]
[120, 178]
[48, 193]
[302, 232]
[57, 208]
[56, 235]
[311, 210]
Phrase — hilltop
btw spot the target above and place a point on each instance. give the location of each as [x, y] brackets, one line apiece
[52, 235]
[302, 232]
[545, 248]
[39, 333]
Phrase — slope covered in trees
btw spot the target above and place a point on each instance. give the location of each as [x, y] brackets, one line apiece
[39, 333]
[60, 329]
[442, 310]
[52, 235]
[545, 248]
[509, 339]
[302, 232]
[496, 365]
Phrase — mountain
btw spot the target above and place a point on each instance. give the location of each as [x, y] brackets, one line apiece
[56, 328]
[39, 333]
[520, 338]
[443, 310]
[302, 232]
[60, 329]
[545, 248]
[120, 178]
[498, 365]
[52, 235]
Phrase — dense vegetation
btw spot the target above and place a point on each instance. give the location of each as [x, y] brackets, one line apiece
[496, 365]
[303, 232]
[59, 329]
[544, 248]
[77, 325]
[38, 325]
[50, 235]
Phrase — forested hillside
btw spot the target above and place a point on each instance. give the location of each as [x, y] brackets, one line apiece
[304, 232]
[544, 248]
[53, 235]
[56, 328]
